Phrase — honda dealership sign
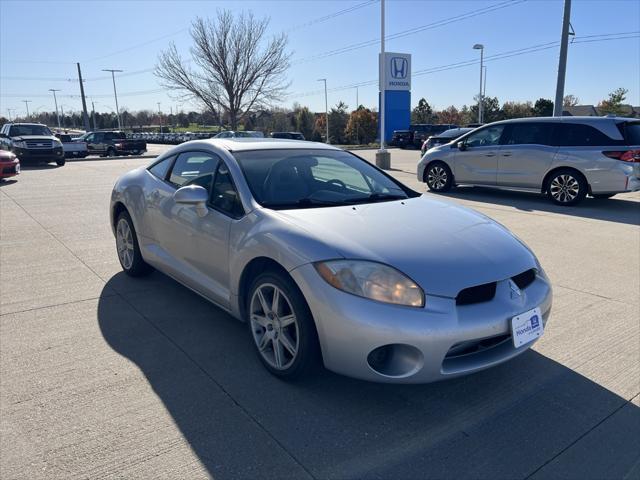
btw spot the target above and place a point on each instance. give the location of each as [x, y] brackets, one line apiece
[397, 71]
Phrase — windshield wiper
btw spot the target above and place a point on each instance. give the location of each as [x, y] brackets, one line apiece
[377, 197]
[303, 202]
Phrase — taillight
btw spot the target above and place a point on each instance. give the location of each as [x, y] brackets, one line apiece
[118, 145]
[632, 156]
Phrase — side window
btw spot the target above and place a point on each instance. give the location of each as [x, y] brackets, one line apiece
[161, 168]
[98, 137]
[489, 136]
[528, 133]
[224, 196]
[90, 138]
[579, 135]
[193, 168]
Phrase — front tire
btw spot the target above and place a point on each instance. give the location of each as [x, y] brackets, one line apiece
[282, 327]
[438, 177]
[111, 152]
[128, 248]
[566, 187]
[61, 162]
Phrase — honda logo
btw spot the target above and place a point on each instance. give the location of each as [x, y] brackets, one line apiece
[399, 67]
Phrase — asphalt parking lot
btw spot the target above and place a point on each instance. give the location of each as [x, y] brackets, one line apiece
[106, 376]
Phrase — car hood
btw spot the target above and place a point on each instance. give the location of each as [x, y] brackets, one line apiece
[441, 246]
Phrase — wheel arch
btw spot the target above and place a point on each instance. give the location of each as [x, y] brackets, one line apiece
[437, 160]
[548, 175]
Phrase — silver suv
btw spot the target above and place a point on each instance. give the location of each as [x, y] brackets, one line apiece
[564, 157]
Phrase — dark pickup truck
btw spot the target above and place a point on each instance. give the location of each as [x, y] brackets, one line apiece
[112, 144]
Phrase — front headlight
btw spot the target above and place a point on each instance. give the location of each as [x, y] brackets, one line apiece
[371, 280]
[57, 143]
[20, 144]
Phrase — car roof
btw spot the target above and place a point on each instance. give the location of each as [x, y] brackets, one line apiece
[583, 119]
[255, 143]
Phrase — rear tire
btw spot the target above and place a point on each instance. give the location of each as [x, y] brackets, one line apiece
[283, 334]
[438, 177]
[61, 162]
[128, 248]
[566, 187]
[111, 152]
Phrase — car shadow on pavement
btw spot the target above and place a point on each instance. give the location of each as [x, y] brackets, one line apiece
[7, 181]
[614, 209]
[39, 166]
[529, 417]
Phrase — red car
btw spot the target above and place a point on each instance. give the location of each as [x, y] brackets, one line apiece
[9, 164]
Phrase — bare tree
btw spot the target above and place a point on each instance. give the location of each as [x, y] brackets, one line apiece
[235, 73]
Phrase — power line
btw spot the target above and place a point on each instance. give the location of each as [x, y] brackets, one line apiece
[332, 15]
[411, 31]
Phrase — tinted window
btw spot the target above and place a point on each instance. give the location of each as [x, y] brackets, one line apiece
[578, 135]
[161, 168]
[486, 137]
[194, 168]
[530, 133]
[21, 130]
[224, 196]
[631, 131]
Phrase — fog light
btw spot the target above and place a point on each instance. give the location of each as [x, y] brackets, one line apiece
[395, 360]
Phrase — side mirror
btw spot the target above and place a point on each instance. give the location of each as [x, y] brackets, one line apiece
[3, 135]
[462, 146]
[193, 195]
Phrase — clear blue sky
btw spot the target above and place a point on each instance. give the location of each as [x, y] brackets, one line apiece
[40, 41]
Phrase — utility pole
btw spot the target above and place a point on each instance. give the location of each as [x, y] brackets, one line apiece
[85, 115]
[26, 104]
[562, 63]
[383, 158]
[115, 94]
[55, 101]
[326, 107]
[93, 115]
[160, 117]
[479, 46]
[9, 110]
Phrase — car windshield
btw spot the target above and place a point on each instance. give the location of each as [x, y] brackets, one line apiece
[282, 179]
[23, 130]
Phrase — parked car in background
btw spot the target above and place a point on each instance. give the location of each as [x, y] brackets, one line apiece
[565, 157]
[401, 138]
[445, 137]
[112, 144]
[330, 260]
[72, 148]
[422, 131]
[474, 125]
[288, 135]
[240, 134]
[31, 142]
[9, 164]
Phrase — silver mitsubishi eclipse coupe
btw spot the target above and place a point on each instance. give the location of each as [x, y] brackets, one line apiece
[331, 261]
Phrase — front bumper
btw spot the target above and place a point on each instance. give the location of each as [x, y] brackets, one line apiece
[9, 169]
[40, 155]
[351, 327]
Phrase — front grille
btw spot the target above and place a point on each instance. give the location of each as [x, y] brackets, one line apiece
[477, 294]
[39, 144]
[11, 169]
[524, 279]
[476, 346]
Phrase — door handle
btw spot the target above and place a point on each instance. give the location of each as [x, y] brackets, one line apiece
[490, 155]
[506, 154]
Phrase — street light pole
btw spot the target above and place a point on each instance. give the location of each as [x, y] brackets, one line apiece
[160, 117]
[326, 107]
[26, 104]
[55, 101]
[484, 87]
[479, 46]
[115, 94]
[562, 63]
[9, 110]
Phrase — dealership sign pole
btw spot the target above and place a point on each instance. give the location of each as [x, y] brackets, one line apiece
[383, 158]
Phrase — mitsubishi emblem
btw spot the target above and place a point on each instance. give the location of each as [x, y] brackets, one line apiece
[515, 291]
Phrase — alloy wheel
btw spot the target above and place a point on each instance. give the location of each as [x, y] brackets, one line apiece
[274, 326]
[564, 188]
[437, 177]
[124, 243]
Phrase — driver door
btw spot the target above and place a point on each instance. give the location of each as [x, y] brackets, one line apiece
[477, 161]
[198, 247]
